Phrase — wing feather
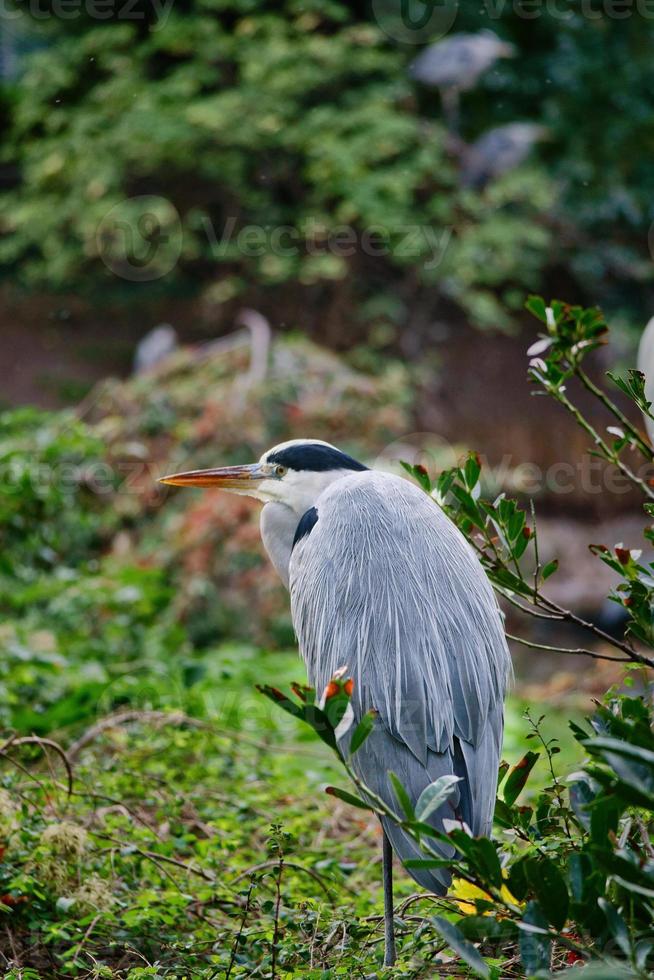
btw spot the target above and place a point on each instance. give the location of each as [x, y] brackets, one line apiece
[386, 585]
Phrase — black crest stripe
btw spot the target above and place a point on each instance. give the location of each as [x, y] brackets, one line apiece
[314, 457]
[305, 525]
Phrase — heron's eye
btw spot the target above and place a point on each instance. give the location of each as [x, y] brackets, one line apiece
[281, 471]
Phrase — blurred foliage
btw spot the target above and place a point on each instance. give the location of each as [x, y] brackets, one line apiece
[106, 594]
[196, 840]
[42, 508]
[200, 409]
[302, 117]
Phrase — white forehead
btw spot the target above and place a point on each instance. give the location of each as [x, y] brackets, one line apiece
[294, 442]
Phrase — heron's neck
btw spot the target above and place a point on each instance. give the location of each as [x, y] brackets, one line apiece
[278, 524]
[279, 518]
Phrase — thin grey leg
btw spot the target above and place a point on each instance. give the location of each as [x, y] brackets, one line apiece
[389, 928]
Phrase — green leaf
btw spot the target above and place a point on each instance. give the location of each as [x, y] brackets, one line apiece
[615, 746]
[549, 569]
[335, 708]
[435, 795]
[535, 945]
[363, 730]
[402, 795]
[444, 483]
[307, 712]
[536, 306]
[487, 861]
[457, 941]
[342, 794]
[279, 698]
[503, 814]
[427, 863]
[471, 470]
[549, 886]
[419, 473]
[480, 854]
[630, 873]
[517, 880]
[617, 926]
[604, 817]
[581, 794]
[600, 971]
[479, 928]
[517, 778]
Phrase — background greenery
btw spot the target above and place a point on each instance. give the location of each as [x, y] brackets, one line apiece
[302, 114]
[191, 836]
[185, 831]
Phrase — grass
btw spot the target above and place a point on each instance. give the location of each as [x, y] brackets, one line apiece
[208, 847]
[197, 841]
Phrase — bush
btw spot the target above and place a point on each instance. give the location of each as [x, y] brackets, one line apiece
[303, 117]
[572, 880]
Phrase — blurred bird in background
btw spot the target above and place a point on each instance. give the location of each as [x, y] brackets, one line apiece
[158, 344]
[383, 584]
[498, 151]
[454, 65]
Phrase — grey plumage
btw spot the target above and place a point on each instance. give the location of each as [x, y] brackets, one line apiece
[498, 151]
[456, 62]
[158, 344]
[383, 584]
[646, 365]
[386, 585]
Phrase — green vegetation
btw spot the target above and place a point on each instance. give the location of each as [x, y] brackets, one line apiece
[301, 116]
[572, 879]
[186, 831]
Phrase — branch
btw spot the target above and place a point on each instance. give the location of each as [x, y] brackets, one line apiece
[573, 650]
[590, 386]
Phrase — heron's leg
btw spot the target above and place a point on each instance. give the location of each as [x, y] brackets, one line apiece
[450, 102]
[389, 928]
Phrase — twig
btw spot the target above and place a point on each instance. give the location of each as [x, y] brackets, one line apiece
[288, 864]
[608, 453]
[571, 617]
[123, 718]
[578, 650]
[155, 858]
[42, 743]
[237, 940]
[645, 449]
[644, 836]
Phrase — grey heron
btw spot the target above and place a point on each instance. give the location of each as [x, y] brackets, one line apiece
[455, 64]
[383, 582]
[497, 151]
[155, 347]
[646, 365]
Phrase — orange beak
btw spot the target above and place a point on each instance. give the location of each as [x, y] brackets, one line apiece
[241, 478]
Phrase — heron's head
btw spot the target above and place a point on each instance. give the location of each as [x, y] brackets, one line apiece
[293, 473]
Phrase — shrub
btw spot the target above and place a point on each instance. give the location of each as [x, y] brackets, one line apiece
[572, 879]
[302, 117]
